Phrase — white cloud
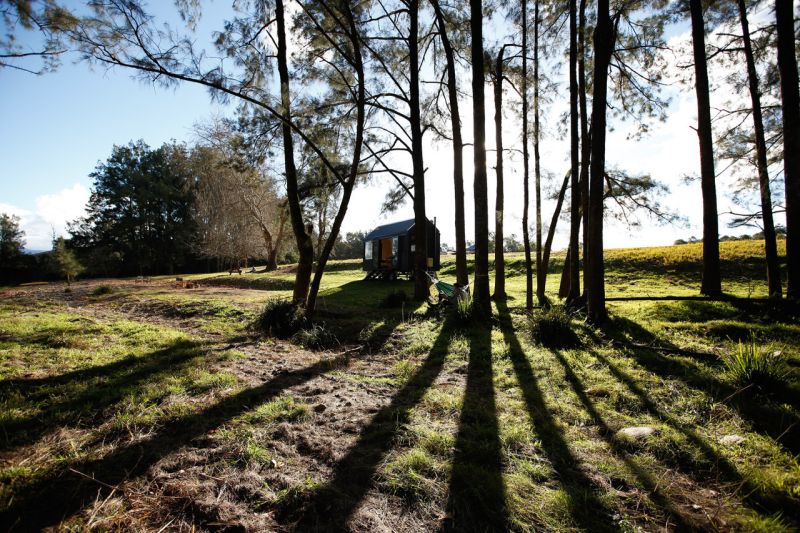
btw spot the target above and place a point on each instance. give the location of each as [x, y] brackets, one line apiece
[51, 215]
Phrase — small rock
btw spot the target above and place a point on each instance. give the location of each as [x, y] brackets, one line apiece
[636, 432]
[319, 408]
[597, 392]
[731, 440]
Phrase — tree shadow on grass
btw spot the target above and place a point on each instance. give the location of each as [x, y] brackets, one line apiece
[330, 507]
[717, 465]
[107, 384]
[477, 495]
[586, 507]
[56, 495]
[766, 416]
[648, 482]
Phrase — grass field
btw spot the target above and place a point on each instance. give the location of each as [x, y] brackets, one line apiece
[149, 405]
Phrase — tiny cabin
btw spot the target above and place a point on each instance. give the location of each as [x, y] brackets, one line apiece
[389, 249]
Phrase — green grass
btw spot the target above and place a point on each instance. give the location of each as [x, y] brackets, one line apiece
[475, 427]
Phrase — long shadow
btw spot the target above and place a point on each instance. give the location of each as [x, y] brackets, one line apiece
[331, 506]
[752, 494]
[123, 376]
[477, 494]
[644, 477]
[58, 495]
[586, 507]
[766, 417]
[35, 388]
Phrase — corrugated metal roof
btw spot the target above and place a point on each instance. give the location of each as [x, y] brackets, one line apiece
[389, 230]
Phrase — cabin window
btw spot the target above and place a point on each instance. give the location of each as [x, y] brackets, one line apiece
[368, 250]
[394, 247]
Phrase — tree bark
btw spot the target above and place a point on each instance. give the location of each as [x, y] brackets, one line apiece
[536, 159]
[595, 283]
[525, 162]
[574, 293]
[481, 294]
[711, 283]
[421, 291]
[790, 100]
[499, 259]
[770, 244]
[462, 277]
[586, 137]
[305, 247]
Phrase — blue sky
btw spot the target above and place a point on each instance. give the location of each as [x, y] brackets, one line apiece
[56, 127]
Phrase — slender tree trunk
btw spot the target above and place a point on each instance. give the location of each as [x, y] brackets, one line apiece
[574, 293]
[563, 287]
[349, 184]
[536, 159]
[586, 137]
[790, 99]
[305, 247]
[421, 291]
[272, 257]
[462, 277]
[551, 232]
[499, 259]
[711, 283]
[525, 162]
[604, 37]
[770, 244]
[481, 294]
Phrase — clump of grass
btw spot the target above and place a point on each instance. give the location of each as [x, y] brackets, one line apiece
[282, 409]
[395, 299]
[280, 318]
[317, 337]
[750, 364]
[551, 327]
[464, 313]
[102, 290]
[411, 474]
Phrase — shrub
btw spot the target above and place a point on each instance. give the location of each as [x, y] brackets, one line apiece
[102, 289]
[752, 365]
[551, 327]
[280, 318]
[317, 337]
[395, 299]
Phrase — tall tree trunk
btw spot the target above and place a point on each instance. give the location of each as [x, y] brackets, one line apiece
[462, 277]
[790, 99]
[536, 160]
[421, 291]
[770, 244]
[586, 137]
[481, 294]
[575, 195]
[525, 162]
[499, 259]
[349, 184]
[711, 283]
[604, 38]
[302, 235]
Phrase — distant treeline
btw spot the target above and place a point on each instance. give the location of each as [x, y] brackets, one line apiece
[166, 210]
[780, 233]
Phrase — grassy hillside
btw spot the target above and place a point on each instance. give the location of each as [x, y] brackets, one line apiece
[150, 405]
